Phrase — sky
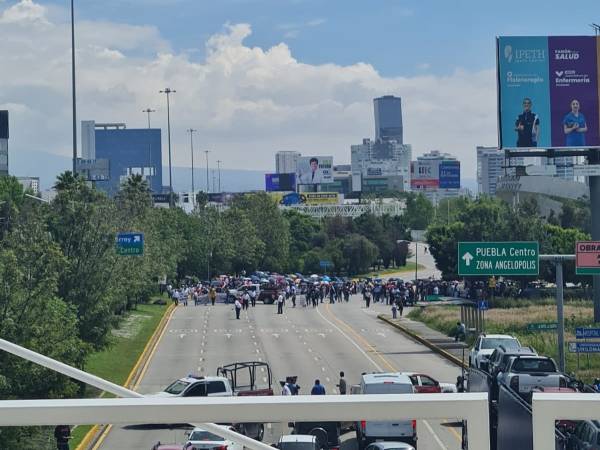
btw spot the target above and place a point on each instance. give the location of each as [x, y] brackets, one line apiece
[258, 76]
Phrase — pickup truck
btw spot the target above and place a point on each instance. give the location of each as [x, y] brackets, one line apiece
[232, 379]
[525, 373]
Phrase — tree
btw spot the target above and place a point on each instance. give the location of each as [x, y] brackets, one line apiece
[359, 252]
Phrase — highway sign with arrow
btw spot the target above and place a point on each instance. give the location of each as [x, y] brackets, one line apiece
[498, 258]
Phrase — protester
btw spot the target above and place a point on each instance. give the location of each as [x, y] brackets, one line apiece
[238, 308]
[318, 388]
[342, 384]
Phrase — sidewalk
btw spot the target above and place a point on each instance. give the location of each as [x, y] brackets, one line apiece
[436, 341]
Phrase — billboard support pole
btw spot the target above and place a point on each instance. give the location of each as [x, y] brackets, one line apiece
[594, 158]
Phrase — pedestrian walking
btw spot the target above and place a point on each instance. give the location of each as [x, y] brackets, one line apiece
[62, 434]
[318, 388]
[293, 294]
[401, 305]
[394, 310]
[280, 301]
[246, 300]
[212, 295]
[367, 296]
[342, 384]
[238, 308]
[253, 297]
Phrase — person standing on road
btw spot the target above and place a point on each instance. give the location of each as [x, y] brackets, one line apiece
[394, 310]
[293, 294]
[238, 308]
[212, 295]
[318, 388]
[367, 296]
[246, 298]
[280, 301]
[253, 297]
[62, 434]
[401, 305]
[342, 384]
[285, 388]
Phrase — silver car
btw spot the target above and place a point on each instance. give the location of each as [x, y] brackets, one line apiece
[390, 446]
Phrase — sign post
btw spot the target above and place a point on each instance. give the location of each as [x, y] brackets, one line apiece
[130, 244]
[498, 258]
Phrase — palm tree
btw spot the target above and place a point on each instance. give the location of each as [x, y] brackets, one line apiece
[135, 194]
[67, 181]
[136, 185]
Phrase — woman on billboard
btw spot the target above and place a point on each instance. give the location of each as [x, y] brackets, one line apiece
[575, 126]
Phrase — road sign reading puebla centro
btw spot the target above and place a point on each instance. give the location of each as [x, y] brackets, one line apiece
[130, 243]
[498, 258]
[542, 326]
[587, 258]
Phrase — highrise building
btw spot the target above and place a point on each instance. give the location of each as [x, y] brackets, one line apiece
[30, 183]
[3, 143]
[391, 173]
[490, 162]
[388, 118]
[286, 161]
[436, 175]
[127, 151]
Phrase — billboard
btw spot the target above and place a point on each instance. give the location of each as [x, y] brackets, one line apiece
[425, 173]
[450, 175]
[314, 170]
[275, 182]
[306, 198]
[548, 92]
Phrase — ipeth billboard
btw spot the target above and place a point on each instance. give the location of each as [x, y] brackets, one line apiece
[548, 92]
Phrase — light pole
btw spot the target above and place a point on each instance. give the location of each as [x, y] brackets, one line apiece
[207, 179]
[219, 171]
[192, 131]
[148, 111]
[169, 91]
[73, 88]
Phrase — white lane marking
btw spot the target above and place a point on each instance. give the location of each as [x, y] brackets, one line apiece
[309, 350]
[323, 369]
[435, 436]
[255, 343]
[260, 359]
[257, 351]
[316, 359]
[275, 335]
[378, 367]
[359, 348]
[327, 379]
[228, 335]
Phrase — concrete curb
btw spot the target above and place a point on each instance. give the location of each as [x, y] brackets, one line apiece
[440, 351]
[98, 432]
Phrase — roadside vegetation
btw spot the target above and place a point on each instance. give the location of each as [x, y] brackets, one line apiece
[513, 320]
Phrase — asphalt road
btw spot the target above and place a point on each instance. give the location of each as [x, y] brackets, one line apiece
[310, 343]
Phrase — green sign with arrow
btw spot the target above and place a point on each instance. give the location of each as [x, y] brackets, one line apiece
[498, 258]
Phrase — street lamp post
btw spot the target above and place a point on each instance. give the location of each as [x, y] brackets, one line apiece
[73, 88]
[207, 178]
[192, 131]
[219, 172]
[148, 111]
[169, 91]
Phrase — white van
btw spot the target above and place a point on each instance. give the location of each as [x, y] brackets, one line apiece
[401, 430]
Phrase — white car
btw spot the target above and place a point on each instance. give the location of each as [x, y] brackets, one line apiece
[200, 439]
[485, 346]
[298, 442]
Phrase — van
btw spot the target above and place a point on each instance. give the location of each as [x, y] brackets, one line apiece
[399, 430]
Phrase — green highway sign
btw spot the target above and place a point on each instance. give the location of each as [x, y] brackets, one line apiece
[498, 258]
[542, 326]
[130, 243]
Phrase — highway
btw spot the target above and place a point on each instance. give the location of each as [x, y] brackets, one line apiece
[310, 343]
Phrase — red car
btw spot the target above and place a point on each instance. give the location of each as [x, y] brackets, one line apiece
[424, 384]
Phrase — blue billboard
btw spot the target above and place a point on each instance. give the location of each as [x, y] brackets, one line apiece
[280, 182]
[450, 175]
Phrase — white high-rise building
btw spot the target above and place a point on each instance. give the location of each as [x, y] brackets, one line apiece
[381, 159]
[490, 162]
[436, 175]
[286, 161]
[32, 183]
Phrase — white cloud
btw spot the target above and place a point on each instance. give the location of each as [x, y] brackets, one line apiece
[246, 102]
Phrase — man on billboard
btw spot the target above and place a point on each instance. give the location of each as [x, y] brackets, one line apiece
[527, 126]
[575, 126]
[313, 176]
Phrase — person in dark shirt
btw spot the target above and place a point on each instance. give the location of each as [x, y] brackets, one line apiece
[62, 434]
[318, 388]
[527, 126]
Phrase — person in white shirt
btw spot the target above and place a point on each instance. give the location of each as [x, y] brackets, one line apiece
[280, 302]
[238, 308]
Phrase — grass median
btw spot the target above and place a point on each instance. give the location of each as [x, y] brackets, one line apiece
[513, 320]
[409, 267]
[127, 344]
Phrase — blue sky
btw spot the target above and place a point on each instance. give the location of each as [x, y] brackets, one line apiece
[258, 76]
[398, 37]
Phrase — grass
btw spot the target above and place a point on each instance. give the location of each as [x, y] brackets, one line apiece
[115, 363]
[409, 267]
[514, 320]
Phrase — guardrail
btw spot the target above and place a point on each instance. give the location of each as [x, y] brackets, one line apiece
[139, 409]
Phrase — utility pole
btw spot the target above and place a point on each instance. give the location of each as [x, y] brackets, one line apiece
[169, 91]
[192, 131]
[148, 111]
[73, 88]
[207, 179]
[219, 171]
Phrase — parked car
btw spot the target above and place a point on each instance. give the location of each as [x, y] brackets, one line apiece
[501, 357]
[524, 373]
[368, 432]
[424, 384]
[298, 442]
[485, 346]
[200, 439]
[327, 434]
[385, 445]
[586, 436]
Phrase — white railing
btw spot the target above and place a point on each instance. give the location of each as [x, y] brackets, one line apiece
[548, 408]
[137, 409]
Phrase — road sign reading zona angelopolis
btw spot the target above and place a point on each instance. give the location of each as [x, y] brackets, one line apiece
[498, 258]
[129, 243]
